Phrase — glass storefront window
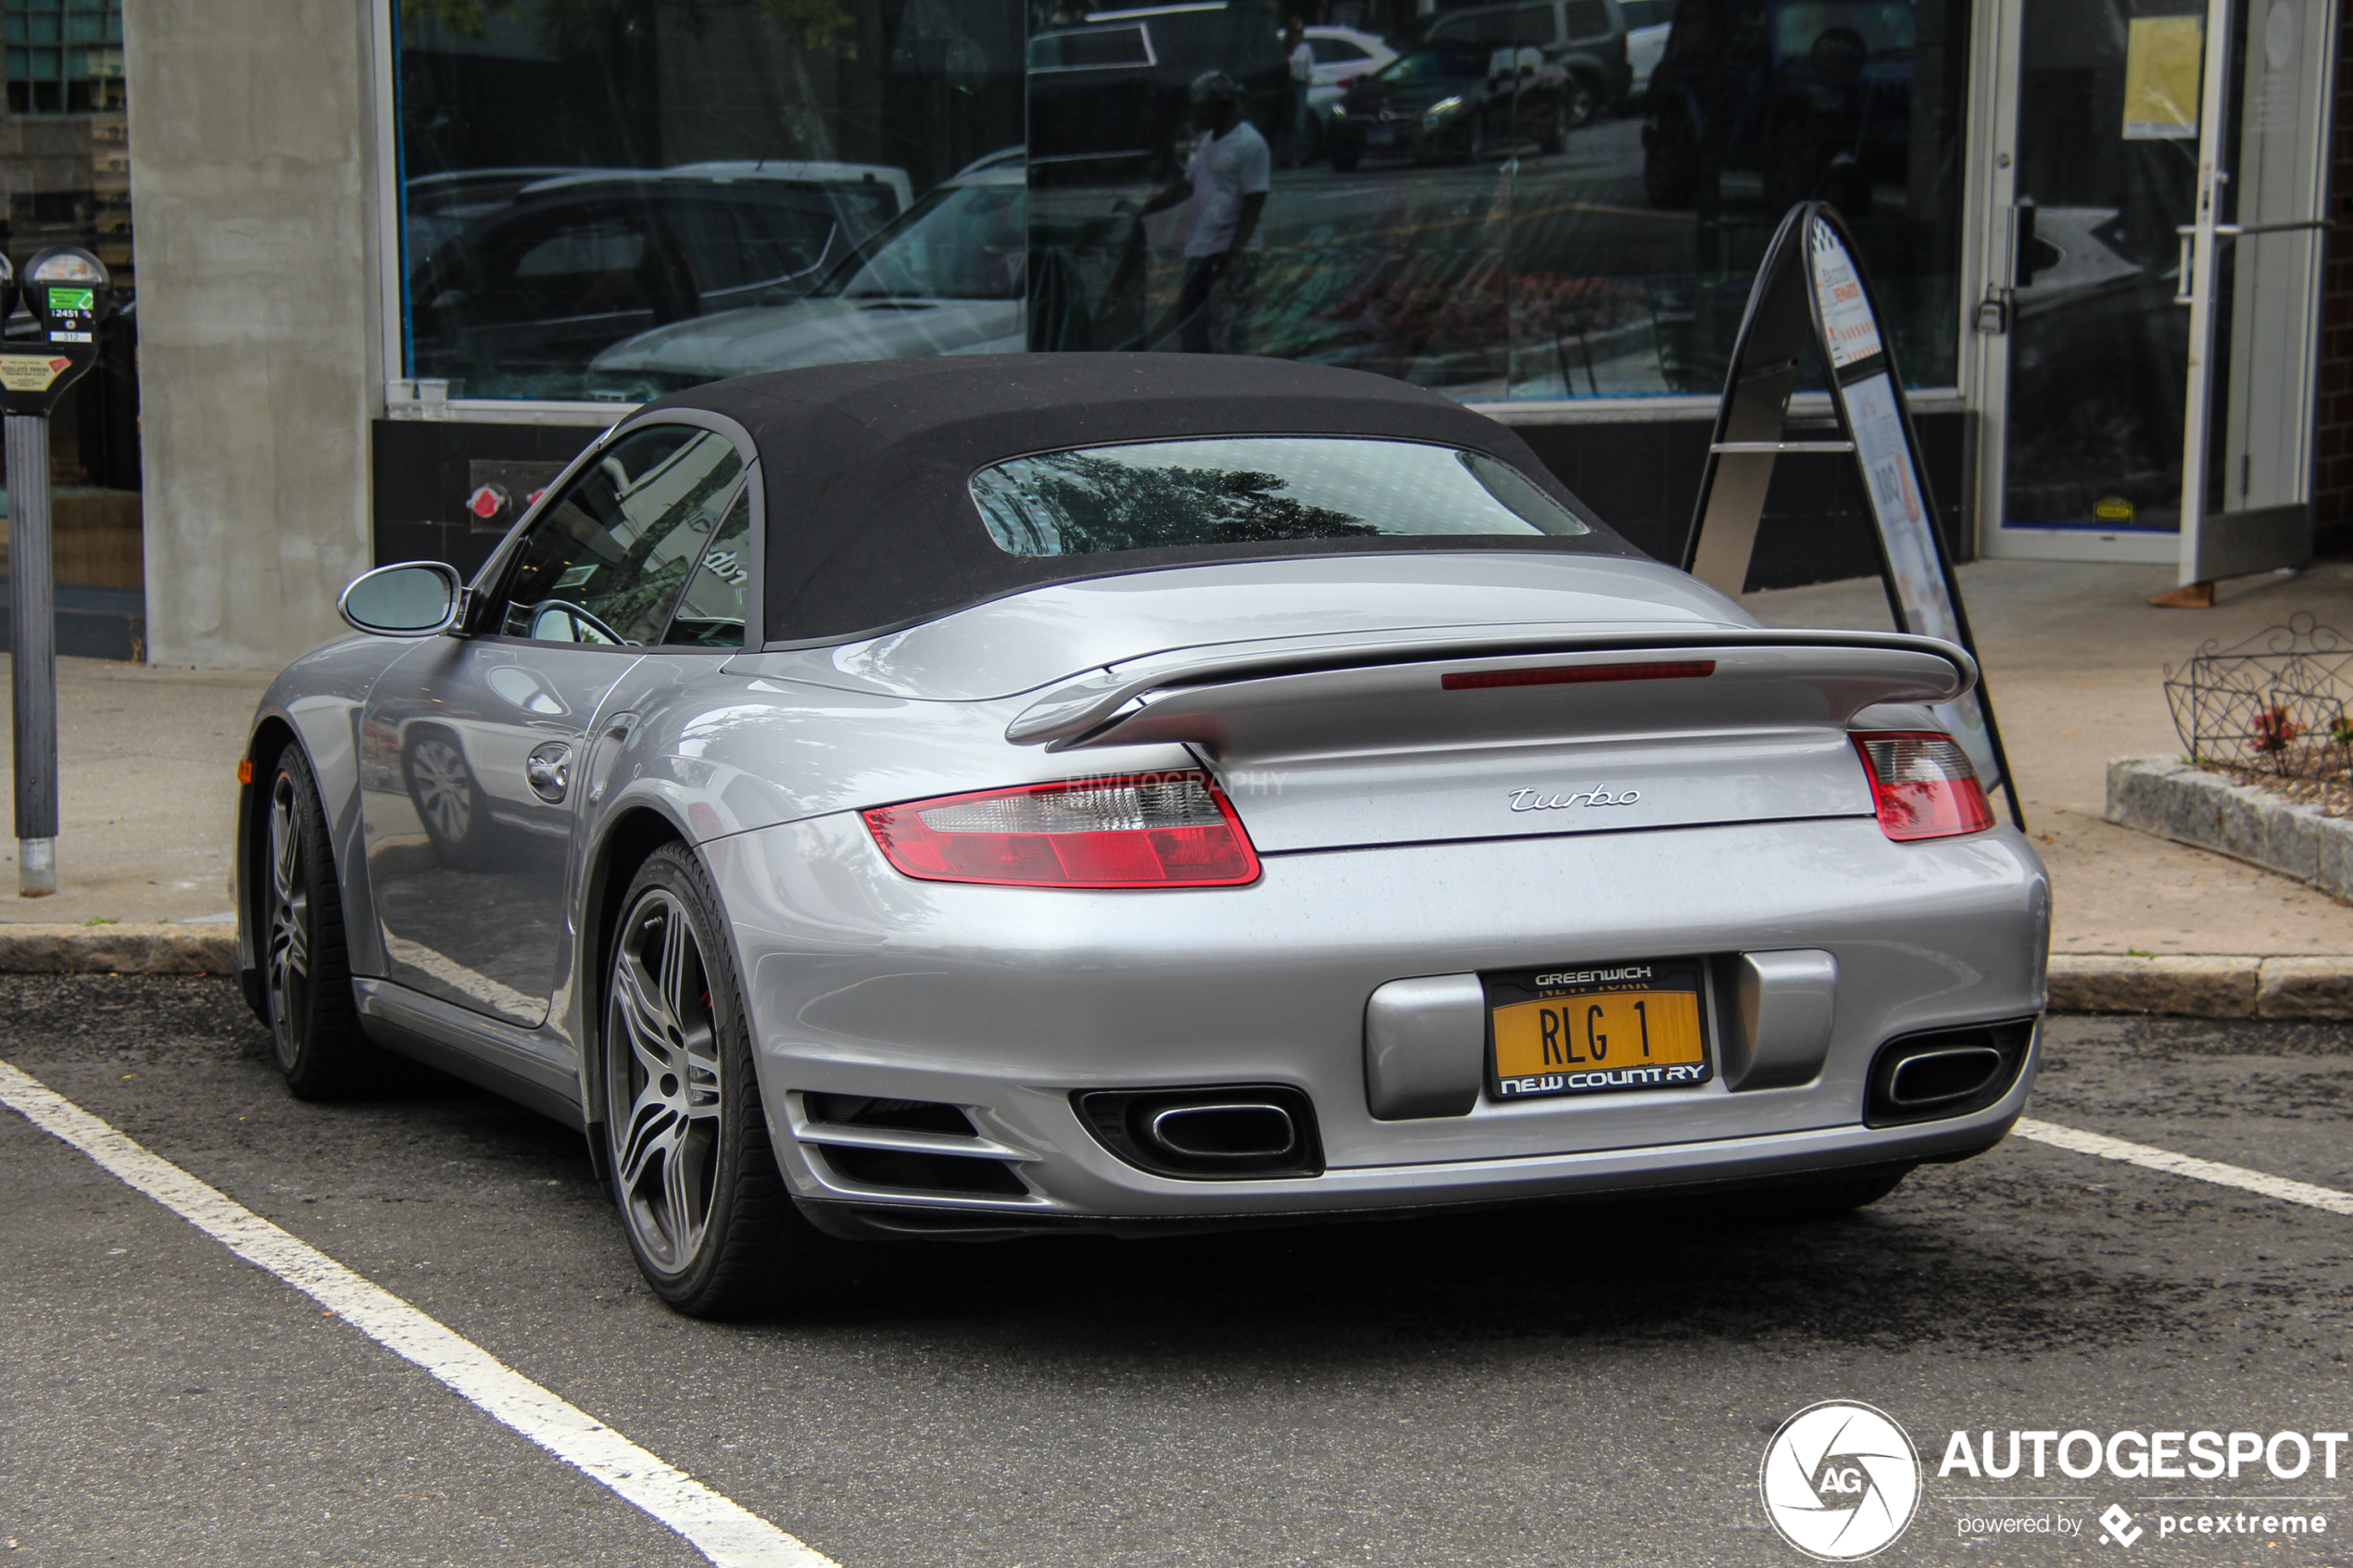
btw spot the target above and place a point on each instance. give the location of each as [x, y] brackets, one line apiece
[596, 193]
[1538, 199]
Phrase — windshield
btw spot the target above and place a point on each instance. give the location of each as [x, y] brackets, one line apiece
[960, 241]
[1255, 489]
[1437, 63]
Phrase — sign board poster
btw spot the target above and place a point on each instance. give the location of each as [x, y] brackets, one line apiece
[1918, 587]
[2164, 64]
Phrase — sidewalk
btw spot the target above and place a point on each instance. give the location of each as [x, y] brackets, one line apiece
[2074, 664]
[147, 791]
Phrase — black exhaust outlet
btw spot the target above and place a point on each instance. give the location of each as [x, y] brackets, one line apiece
[1215, 1133]
[1944, 1073]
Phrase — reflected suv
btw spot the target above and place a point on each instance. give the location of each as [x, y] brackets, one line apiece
[518, 300]
[1585, 38]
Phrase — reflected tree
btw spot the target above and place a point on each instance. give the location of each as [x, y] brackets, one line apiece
[1079, 503]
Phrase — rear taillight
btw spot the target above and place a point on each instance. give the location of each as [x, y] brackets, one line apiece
[1922, 784]
[1149, 830]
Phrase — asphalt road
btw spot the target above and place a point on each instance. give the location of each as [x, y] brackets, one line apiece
[1583, 1385]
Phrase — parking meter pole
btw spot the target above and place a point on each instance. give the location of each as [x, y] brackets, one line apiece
[33, 633]
[67, 292]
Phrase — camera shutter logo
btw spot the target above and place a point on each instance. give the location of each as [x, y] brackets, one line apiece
[1840, 1481]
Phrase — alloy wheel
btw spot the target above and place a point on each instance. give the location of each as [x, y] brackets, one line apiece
[443, 788]
[663, 1082]
[286, 965]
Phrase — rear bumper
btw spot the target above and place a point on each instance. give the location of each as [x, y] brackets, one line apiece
[1004, 1001]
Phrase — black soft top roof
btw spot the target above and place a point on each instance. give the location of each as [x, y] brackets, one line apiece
[867, 468]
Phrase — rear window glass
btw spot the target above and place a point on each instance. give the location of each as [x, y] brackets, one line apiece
[1256, 489]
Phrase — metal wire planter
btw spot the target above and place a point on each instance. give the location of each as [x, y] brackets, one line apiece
[2274, 704]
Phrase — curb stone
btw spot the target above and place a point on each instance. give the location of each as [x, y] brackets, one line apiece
[2181, 986]
[118, 949]
[2174, 799]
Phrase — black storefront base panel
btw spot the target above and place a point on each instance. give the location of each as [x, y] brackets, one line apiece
[449, 490]
[92, 622]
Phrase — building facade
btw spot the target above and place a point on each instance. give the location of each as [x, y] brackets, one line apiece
[405, 257]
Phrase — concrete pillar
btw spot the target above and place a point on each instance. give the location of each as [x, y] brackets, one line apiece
[252, 134]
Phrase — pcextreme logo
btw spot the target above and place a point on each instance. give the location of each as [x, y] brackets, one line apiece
[1840, 1481]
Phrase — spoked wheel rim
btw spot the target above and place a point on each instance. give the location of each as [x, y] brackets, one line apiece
[444, 789]
[286, 965]
[663, 1082]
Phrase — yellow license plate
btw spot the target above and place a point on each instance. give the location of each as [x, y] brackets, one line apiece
[1598, 1037]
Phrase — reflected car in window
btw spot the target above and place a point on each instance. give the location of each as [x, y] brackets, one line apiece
[1586, 38]
[1108, 100]
[1342, 54]
[1647, 24]
[1452, 101]
[948, 277]
[1019, 795]
[517, 303]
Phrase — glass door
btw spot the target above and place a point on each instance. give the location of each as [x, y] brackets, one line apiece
[2106, 171]
[2255, 256]
[2152, 324]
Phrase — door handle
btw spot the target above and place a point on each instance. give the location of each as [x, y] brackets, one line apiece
[548, 770]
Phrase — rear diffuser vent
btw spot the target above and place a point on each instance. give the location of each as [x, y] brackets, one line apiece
[895, 1116]
[924, 1172]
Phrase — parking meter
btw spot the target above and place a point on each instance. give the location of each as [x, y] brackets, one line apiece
[67, 292]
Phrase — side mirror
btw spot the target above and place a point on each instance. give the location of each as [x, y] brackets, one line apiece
[415, 599]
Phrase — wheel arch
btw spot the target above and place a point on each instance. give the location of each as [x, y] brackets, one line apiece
[624, 844]
[268, 741]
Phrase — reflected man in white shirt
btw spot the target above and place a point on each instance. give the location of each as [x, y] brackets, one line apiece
[1227, 183]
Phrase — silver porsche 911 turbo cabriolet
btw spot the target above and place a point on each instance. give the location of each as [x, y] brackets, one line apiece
[982, 797]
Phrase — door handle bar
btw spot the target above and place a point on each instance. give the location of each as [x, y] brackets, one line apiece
[2188, 233]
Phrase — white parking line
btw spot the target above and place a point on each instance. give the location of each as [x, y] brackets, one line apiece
[2100, 1144]
[722, 1531]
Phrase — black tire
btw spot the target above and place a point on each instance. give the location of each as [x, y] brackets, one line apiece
[1555, 127]
[1345, 159]
[306, 971]
[703, 1206]
[1581, 101]
[449, 798]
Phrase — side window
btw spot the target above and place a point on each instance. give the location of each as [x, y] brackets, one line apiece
[593, 265]
[1335, 51]
[608, 558]
[710, 613]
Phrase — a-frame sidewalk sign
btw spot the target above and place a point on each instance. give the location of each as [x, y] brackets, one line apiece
[1812, 285]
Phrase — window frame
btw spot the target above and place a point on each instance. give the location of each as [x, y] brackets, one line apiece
[486, 591]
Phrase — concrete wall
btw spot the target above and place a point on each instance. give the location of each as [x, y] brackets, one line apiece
[251, 132]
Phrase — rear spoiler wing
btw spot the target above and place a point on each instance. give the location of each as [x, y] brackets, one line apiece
[1349, 688]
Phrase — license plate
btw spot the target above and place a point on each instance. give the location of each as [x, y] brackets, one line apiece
[1596, 1029]
[1380, 134]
